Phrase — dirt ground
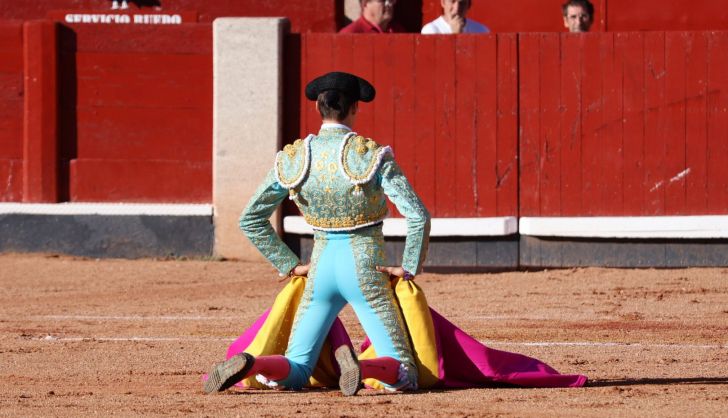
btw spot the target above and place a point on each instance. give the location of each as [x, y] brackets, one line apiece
[83, 337]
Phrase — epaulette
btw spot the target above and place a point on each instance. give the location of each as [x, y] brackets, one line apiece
[360, 159]
[292, 164]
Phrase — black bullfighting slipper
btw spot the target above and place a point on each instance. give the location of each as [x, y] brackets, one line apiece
[350, 379]
[229, 372]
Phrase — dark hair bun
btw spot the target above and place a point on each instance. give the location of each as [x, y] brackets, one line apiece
[331, 98]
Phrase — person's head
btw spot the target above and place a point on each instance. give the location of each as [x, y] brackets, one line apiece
[578, 15]
[337, 95]
[336, 106]
[379, 12]
[453, 8]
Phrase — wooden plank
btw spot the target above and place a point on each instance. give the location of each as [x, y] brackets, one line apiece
[571, 132]
[11, 61]
[344, 58]
[465, 139]
[137, 133]
[40, 118]
[445, 130]
[404, 114]
[194, 38]
[529, 150]
[11, 129]
[118, 180]
[696, 134]
[507, 120]
[144, 80]
[592, 109]
[319, 61]
[675, 133]
[11, 37]
[631, 47]
[362, 64]
[717, 124]
[550, 125]
[658, 15]
[383, 71]
[11, 173]
[655, 125]
[487, 94]
[612, 166]
[424, 156]
[11, 88]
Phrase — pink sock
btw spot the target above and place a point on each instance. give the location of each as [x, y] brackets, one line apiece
[384, 369]
[273, 367]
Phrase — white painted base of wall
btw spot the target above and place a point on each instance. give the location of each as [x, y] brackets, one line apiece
[134, 209]
[441, 227]
[684, 227]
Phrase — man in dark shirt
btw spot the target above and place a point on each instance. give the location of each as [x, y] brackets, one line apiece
[376, 17]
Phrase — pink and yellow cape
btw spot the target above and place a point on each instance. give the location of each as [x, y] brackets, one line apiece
[446, 356]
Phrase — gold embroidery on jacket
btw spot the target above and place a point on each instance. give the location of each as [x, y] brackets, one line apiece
[361, 147]
[345, 221]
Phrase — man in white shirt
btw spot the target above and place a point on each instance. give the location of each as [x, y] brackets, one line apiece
[453, 20]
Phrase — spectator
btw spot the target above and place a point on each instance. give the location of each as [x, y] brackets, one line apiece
[578, 15]
[453, 19]
[376, 17]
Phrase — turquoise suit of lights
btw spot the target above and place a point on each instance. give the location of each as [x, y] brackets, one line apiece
[340, 182]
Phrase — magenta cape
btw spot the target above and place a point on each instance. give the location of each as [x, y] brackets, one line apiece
[447, 357]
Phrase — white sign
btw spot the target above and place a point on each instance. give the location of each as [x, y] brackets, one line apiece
[123, 19]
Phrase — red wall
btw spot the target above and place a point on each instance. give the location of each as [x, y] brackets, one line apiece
[11, 111]
[447, 106]
[624, 124]
[630, 15]
[305, 16]
[142, 110]
[610, 124]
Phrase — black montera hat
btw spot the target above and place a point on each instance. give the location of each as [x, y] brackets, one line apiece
[355, 87]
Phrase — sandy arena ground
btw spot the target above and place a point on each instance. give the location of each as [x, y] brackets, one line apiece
[132, 338]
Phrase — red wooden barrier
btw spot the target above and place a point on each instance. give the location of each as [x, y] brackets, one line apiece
[143, 113]
[11, 111]
[630, 15]
[624, 124]
[40, 122]
[447, 105]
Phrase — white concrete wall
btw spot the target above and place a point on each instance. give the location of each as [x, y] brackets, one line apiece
[247, 120]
